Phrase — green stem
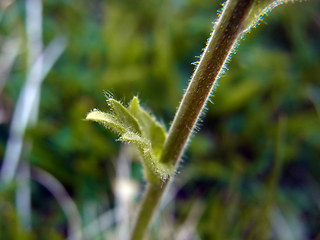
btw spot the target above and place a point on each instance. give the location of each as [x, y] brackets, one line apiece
[148, 206]
[225, 34]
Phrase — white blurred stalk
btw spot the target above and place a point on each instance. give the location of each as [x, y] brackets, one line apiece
[4, 4]
[101, 224]
[23, 195]
[26, 109]
[9, 51]
[23, 116]
[66, 203]
[291, 228]
[34, 47]
[125, 190]
[188, 229]
[313, 94]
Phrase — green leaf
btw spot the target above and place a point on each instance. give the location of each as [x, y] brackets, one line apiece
[153, 168]
[123, 116]
[259, 9]
[136, 126]
[107, 120]
[134, 138]
[151, 129]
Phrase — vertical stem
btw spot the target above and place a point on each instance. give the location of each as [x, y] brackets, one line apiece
[148, 206]
[223, 38]
[226, 32]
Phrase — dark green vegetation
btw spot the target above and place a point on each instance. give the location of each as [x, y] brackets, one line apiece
[251, 172]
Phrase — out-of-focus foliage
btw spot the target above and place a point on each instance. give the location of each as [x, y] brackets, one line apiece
[254, 163]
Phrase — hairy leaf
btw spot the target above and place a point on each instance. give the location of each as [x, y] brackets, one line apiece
[107, 120]
[151, 129]
[136, 126]
[123, 116]
[259, 9]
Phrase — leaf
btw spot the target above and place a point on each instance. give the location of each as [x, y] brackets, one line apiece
[259, 9]
[134, 138]
[151, 129]
[136, 126]
[123, 116]
[154, 169]
[107, 120]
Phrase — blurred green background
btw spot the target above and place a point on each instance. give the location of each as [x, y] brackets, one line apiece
[252, 171]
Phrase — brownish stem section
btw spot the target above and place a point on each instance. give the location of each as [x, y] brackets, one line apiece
[223, 38]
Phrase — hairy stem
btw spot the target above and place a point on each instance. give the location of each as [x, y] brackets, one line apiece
[148, 206]
[219, 46]
[225, 34]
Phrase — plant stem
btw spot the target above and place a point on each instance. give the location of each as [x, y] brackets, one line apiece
[219, 46]
[225, 34]
[148, 206]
